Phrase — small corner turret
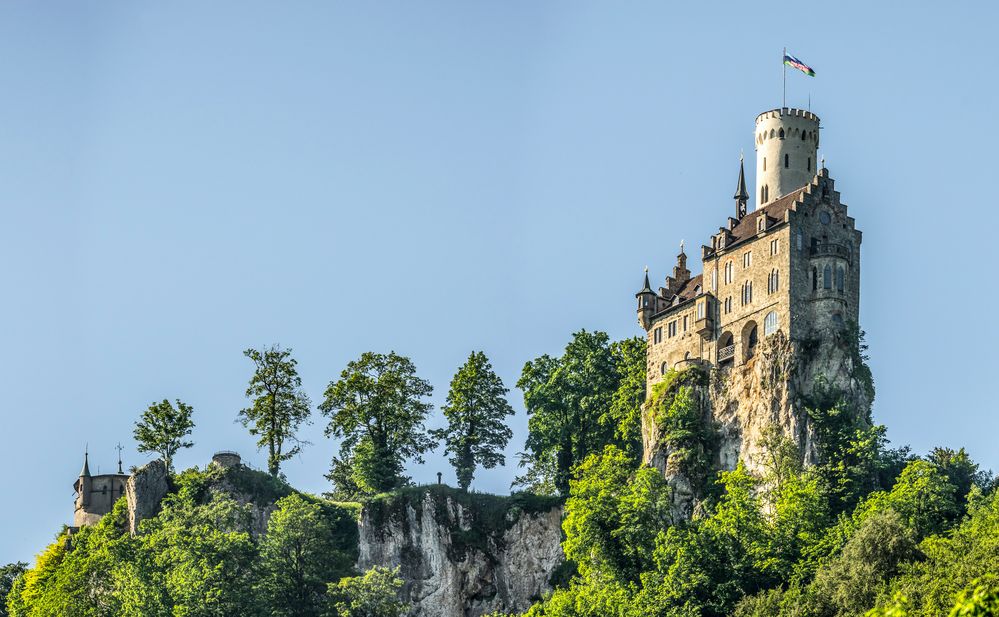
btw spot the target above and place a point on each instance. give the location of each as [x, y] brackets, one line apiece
[646, 303]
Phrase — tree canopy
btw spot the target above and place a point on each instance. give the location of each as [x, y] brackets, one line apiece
[162, 429]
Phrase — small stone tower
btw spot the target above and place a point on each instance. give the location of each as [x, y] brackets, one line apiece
[96, 495]
[787, 141]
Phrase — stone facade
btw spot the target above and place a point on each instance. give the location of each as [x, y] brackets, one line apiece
[772, 313]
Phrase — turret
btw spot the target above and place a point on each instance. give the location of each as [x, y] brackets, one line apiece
[787, 141]
[646, 303]
[83, 484]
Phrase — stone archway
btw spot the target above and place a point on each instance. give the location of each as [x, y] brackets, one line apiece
[749, 339]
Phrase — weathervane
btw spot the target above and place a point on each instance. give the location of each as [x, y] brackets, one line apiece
[119, 449]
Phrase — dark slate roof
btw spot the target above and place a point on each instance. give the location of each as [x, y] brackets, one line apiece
[686, 292]
[746, 227]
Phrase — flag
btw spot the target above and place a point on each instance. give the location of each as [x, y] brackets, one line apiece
[793, 62]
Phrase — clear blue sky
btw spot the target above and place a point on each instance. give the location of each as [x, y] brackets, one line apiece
[181, 181]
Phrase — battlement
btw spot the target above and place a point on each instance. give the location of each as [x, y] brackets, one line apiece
[787, 112]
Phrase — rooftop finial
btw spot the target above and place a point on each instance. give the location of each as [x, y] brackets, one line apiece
[681, 247]
[86, 461]
[823, 162]
[119, 448]
[741, 194]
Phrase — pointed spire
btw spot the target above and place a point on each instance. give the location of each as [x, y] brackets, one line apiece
[119, 448]
[648, 286]
[741, 194]
[85, 472]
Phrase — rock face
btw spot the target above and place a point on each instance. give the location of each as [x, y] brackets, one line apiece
[774, 388]
[144, 491]
[454, 562]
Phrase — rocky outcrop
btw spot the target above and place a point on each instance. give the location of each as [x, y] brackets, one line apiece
[464, 555]
[737, 405]
[144, 491]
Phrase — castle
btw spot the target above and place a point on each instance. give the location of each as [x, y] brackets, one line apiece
[96, 495]
[791, 265]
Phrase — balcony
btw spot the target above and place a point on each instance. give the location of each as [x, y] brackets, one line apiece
[704, 326]
[829, 249]
[726, 353]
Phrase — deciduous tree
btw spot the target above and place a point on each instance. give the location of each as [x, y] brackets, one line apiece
[476, 412]
[279, 406]
[377, 407]
[162, 429]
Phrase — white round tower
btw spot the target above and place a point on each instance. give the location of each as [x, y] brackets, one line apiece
[786, 144]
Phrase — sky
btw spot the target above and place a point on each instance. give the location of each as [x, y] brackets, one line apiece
[182, 181]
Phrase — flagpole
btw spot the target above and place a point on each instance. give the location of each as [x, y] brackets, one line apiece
[784, 68]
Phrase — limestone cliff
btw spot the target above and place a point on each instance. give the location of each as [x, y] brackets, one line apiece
[464, 555]
[738, 404]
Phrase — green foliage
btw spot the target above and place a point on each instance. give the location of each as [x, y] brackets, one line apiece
[377, 407]
[476, 411]
[162, 429]
[303, 551]
[575, 408]
[9, 574]
[953, 562]
[279, 406]
[625, 413]
[684, 431]
[613, 515]
[375, 594]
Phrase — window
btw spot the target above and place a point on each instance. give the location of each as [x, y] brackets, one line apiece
[765, 161]
[657, 335]
[787, 160]
[671, 329]
[728, 272]
[664, 368]
[804, 136]
[798, 240]
[827, 277]
[728, 305]
[840, 278]
[774, 246]
[773, 281]
[747, 292]
[700, 310]
[684, 323]
[714, 280]
[809, 168]
[781, 134]
[770, 323]
[815, 278]
[747, 259]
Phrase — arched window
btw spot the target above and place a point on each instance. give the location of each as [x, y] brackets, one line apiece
[664, 368]
[728, 272]
[787, 161]
[804, 136]
[781, 134]
[747, 292]
[764, 163]
[840, 276]
[827, 277]
[771, 133]
[773, 281]
[838, 320]
[770, 323]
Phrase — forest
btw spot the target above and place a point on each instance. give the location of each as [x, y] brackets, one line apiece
[868, 529]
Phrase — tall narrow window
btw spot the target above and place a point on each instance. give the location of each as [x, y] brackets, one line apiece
[786, 161]
[765, 161]
[684, 323]
[770, 323]
[840, 278]
[827, 277]
[657, 335]
[815, 278]
[728, 272]
[809, 168]
[747, 259]
[714, 280]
